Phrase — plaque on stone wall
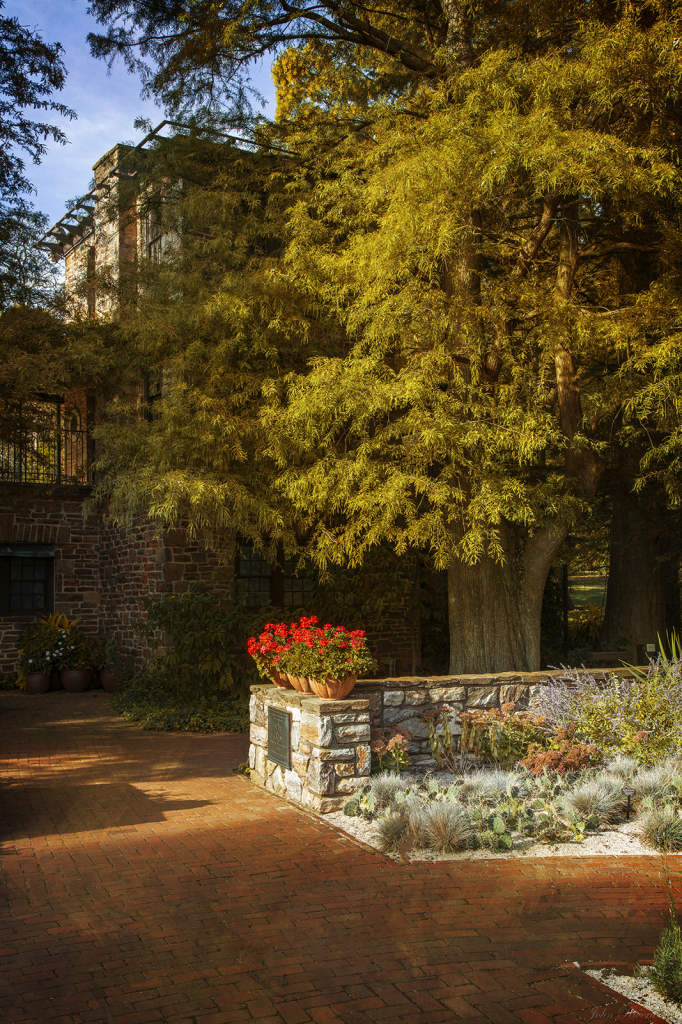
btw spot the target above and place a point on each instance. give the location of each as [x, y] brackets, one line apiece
[279, 737]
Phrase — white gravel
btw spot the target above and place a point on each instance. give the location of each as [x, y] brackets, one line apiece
[641, 991]
[613, 842]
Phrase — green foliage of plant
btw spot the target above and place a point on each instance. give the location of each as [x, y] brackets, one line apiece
[390, 748]
[391, 832]
[563, 755]
[202, 646]
[661, 828]
[9, 681]
[53, 642]
[585, 625]
[502, 736]
[639, 716]
[155, 708]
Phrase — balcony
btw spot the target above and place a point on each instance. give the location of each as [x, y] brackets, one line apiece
[48, 456]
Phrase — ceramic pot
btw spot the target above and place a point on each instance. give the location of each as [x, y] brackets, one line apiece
[106, 678]
[37, 682]
[75, 680]
[281, 679]
[330, 688]
[300, 683]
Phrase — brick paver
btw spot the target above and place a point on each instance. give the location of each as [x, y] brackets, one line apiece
[146, 882]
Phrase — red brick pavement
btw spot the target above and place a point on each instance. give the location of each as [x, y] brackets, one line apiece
[146, 881]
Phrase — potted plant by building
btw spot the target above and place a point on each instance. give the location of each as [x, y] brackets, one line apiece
[36, 658]
[104, 658]
[75, 661]
[38, 644]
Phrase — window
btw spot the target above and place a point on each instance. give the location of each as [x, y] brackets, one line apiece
[255, 577]
[262, 584]
[26, 579]
[154, 236]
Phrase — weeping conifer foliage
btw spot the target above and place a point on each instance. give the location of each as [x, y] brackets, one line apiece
[472, 299]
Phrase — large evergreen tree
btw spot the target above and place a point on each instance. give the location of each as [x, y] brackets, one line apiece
[482, 220]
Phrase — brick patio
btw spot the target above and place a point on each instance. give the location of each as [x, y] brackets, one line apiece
[146, 881]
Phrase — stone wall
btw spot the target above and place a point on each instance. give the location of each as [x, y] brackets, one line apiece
[330, 755]
[27, 519]
[403, 701]
[101, 573]
[330, 752]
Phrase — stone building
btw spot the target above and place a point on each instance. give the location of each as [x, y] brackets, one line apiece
[52, 557]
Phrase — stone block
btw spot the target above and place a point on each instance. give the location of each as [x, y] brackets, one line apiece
[393, 698]
[320, 778]
[345, 768]
[258, 735]
[332, 753]
[363, 760]
[439, 694]
[292, 781]
[299, 763]
[252, 756]
[173, 571]
[395, 716]
[515, 695]
[349, 786]
[316, 729]
[483, 697]
[355, 733]
[416, 696]
[344, 719]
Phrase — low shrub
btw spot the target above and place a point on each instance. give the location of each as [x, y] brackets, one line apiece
[390, 748]
[661, 828]
[10, 681]
[385, 787]
[639, 716]
[601, 796]
[200, 639]
[391, 832]
[158, 709]
[447, 827]
[503, 736]
[564, 755]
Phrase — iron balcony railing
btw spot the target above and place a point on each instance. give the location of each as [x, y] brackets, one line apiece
[48, 456]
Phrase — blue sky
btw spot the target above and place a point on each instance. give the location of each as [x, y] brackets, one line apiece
[106, 103]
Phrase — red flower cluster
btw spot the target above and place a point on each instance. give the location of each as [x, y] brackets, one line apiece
[304, 648]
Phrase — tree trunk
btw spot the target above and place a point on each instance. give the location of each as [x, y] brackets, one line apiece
[495, 607]
[635, 594]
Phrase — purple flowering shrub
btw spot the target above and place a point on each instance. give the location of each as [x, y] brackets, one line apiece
[641, 716]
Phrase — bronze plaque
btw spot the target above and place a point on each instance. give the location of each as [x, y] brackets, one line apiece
[279, 737]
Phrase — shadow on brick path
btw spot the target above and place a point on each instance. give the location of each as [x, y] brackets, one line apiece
[145, 881]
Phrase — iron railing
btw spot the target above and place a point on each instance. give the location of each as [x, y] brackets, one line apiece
[48, 456]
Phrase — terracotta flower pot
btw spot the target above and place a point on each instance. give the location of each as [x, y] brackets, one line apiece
[75, 680]
[300, 683]
[106, 678]
[37, 682]
[333, 689]
[281, 679]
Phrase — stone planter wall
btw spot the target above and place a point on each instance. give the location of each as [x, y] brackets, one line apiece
[330, 756]
[403, 701]
[330, 752]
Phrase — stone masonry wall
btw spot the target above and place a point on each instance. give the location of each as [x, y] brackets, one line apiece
[101, 573]
[403, 701]
[330, 752]
[58, 521]
[330, 755]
